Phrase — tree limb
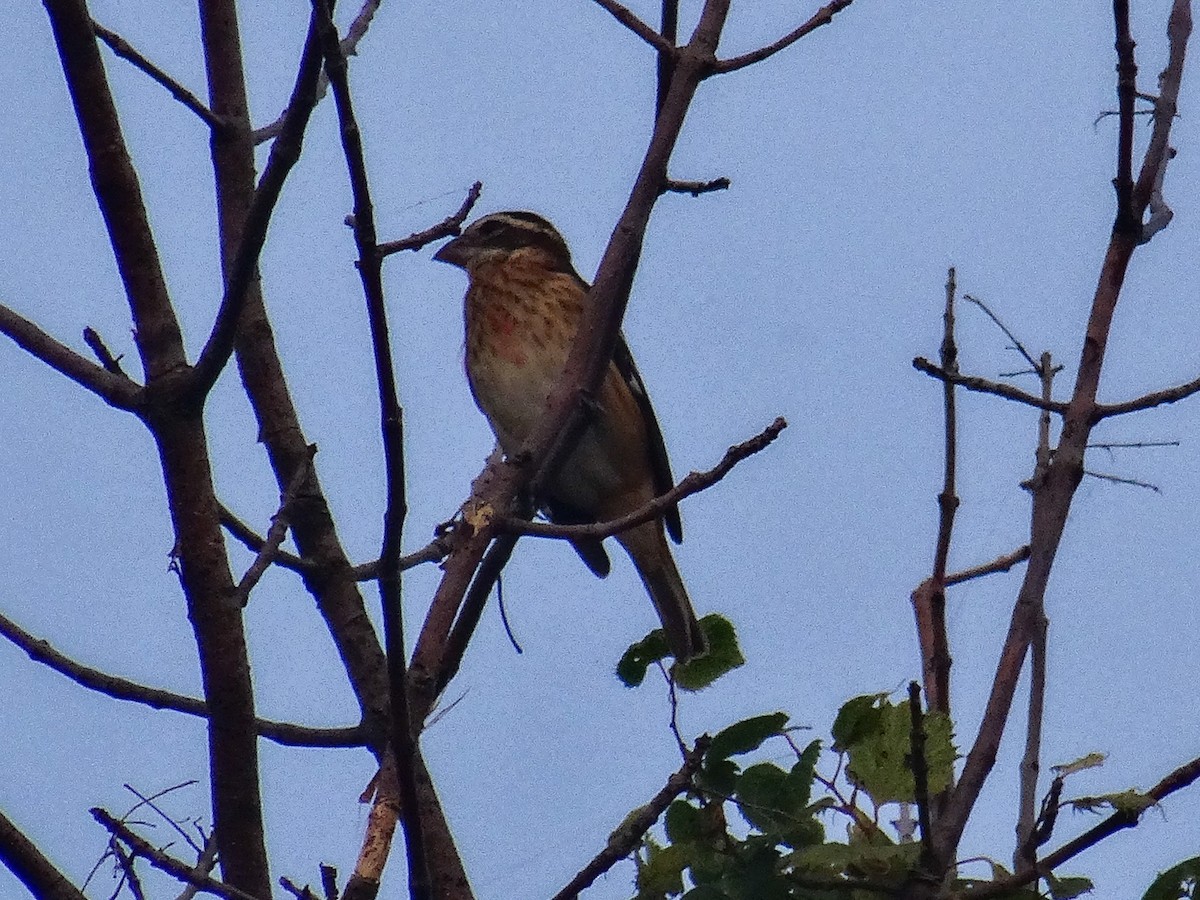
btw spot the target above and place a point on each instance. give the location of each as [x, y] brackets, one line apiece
[822, 16]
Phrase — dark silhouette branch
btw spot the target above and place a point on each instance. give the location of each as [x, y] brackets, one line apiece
[985, 386]
[356, 31]
[31, 867]
[1053, 494]
[696, 188]
[637, 26]
[1146, 401]
[823, 16]
[275, 534]
[1017, 345]
[111, 363]
[126, 51]
[256, 543]
[115, 390]
[404, 739]
[176, 868]
[623, 841]
[242, 267]
[692, 483]
[448, 227]
[118, 688]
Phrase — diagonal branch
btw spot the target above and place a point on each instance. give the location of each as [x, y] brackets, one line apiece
[1147, 401]
[176, 868]
[986, 386]
[115, 390]
[449, 226]
[630, 833]
[822, 16]
[637, 26]
[692, 483]
[118, 688]
[284, 154]
[31, 867]
[126, 51]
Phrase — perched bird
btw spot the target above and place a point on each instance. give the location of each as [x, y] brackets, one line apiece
[522, 310]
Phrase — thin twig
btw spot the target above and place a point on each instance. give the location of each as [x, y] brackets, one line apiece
[449, 226]
[1182, 777]
[1020, 348]
[1126, 445]
[255, 542]
[692, 483]
[985, 386]
[823, 16]
[177, 869]
[143, 800]
[126, 51]
[349, 44]
[275, 534]
[1118, 479]
[284, 733]
[622, 841]
[1000, 564]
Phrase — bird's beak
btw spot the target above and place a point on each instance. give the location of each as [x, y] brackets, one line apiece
[455, 253]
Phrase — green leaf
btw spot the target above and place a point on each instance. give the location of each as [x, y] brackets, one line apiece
[763, 799]
[724, 655]
[705, 892]
[1069, 887]
[1181, 882]
[804, 772]
[1131, 802]
[745, 736]
[856, 718]
[881, 754]
[719, 777]
[631, 669]
[662, 871]
[1091, 761]
[684, 822]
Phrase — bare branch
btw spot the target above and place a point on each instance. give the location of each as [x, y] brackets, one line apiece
[275, 534]
[118, 688]
[693, 483]
[1000, 564]
[126, 51]
[985, 386]
[1146, 401]
[177, 869]
[241, 272]
[256, 543]
[630, 833]
[1020, 348]
[31, 867]
[404, 740]
[822, 16]
[1118, 479]
[696, 188]
[115, 390]
[1182, 777]
[349, 44]
[111, 363]
[637, 26]
[449, 226]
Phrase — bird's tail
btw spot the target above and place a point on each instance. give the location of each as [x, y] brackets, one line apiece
[647, 547]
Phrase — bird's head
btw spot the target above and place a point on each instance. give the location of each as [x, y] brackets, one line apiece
[498, 236]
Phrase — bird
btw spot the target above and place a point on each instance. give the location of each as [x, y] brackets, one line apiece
[522, 309]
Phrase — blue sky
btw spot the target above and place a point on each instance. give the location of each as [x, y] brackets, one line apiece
[902, 139]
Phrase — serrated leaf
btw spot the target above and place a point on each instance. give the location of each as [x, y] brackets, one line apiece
[745, 736]
[1091, 761]
[723, 655]
[1180, 882]
[1131, 802]
[631, 668]
[763, 798]
[804, 772]
[881, 758]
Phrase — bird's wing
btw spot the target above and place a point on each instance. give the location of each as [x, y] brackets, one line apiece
[660, 465]
[590, 550]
